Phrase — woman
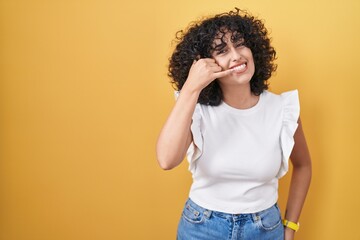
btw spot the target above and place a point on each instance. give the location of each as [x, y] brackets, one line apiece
[237, 135]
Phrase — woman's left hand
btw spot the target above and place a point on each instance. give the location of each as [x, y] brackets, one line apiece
[289, 234]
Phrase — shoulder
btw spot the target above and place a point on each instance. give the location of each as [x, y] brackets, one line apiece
[282, 94]
[283, 98]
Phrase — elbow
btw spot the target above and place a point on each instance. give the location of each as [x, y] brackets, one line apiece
[165, 162]
[305, 169]
[302, 163]
[168, 157]
[165, 166]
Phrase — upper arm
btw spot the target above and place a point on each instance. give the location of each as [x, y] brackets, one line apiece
[300, 155]
[187, 144]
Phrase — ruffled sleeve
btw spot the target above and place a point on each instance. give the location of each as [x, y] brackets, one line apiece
[195, 149]
[290, 116]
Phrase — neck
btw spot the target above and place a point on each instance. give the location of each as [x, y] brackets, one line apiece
[239, 96]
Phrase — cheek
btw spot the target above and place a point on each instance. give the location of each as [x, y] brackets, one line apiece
[248, 52]
[251, 58]
[221, 62]
[253, 63]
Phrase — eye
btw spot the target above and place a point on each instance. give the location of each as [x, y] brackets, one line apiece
[240, 44]
[221, 51]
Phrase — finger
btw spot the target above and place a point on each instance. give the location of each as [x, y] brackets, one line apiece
[215, 68]
[209, 60]
[223, 73]
[213, 65]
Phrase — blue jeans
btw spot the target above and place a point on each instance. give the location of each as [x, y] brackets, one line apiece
[198, 223]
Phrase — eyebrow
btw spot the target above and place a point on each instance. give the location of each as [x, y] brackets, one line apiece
[220, 46]
[223, 45]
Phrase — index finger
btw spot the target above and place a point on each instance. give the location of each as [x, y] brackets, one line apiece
[208, 60]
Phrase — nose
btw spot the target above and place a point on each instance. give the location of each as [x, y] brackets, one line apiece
[235, 55]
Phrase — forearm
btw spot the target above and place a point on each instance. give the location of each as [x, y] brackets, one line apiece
[174, 136]
[300, 182]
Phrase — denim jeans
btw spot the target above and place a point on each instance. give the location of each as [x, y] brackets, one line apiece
[198, 223]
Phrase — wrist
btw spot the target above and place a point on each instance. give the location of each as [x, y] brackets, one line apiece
[291, 225]
[289, 230]
[189, 90]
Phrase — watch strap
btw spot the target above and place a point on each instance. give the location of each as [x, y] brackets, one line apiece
[291, 225]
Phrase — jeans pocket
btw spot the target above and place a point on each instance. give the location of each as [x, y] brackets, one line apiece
[193, 215]
[270, 218]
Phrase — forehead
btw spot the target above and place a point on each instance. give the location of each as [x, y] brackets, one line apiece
[223, 36]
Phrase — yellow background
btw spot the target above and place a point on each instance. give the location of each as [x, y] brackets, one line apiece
[84, 94]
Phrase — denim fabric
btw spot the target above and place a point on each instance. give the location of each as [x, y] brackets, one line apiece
[198, 223]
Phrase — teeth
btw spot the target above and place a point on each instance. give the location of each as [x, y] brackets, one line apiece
[239, 68]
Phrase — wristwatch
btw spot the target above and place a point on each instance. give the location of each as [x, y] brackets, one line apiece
[291, 225]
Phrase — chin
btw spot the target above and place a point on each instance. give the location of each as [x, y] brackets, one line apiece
[233, 82]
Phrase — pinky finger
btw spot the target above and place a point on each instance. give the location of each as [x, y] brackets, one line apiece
[223, 73]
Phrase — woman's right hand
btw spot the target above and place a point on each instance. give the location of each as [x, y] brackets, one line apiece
[203, 72]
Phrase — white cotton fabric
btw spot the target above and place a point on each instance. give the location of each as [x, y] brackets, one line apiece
[238, 155]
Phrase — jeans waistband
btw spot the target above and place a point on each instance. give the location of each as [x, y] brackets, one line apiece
[208, 212]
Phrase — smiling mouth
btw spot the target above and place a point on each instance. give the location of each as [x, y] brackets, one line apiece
[239, 68]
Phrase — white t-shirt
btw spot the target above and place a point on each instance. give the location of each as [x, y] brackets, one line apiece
[238, 155]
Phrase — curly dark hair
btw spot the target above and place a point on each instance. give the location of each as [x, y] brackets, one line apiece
[198, 40]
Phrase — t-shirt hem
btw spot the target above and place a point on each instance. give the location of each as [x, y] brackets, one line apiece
[235, 210]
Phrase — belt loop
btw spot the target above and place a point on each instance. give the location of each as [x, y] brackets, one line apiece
[207, 213]
[255, 217]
